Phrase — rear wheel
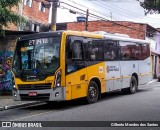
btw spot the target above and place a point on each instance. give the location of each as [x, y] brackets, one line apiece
[93, 92]
[133, 86]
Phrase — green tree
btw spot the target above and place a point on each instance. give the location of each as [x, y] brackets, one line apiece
[151, 6]
[7, 16]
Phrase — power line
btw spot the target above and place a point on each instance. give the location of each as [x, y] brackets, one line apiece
[126, 11]
[89, 8]
[115, 1]
[104, 19]
[103, 5]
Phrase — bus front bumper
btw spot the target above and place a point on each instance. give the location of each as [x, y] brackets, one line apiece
[56, 94]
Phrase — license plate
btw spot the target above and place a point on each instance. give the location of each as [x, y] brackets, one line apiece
[32, 94]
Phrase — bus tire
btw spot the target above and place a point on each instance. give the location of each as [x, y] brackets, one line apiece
[133, 86]
[93, 92]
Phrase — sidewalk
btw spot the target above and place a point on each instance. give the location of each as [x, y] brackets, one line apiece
[6, 102]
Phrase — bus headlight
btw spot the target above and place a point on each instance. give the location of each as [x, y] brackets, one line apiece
[58, 79]
[13, 84]
[14, 87]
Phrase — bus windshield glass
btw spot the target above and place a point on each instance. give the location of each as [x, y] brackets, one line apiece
[37, 56]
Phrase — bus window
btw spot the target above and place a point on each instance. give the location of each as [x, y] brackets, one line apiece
[93, 49]
[111, 50]
[74, 49]
[137, 51]
[125, 50]
[96, 50]
[74, 54]
[145, 51]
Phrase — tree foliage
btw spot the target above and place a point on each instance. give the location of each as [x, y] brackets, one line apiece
[151, 6]
[7, 16]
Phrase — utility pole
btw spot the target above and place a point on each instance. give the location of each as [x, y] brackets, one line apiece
[55, 4]
[86, 26]
[111, 15]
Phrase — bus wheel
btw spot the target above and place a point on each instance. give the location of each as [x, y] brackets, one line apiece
[133, 86]
[93, 92]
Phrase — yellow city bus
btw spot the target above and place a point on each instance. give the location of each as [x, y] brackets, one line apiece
[66, 65]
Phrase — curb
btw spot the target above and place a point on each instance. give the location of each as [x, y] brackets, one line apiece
[153, 81]
[1, 108]
[19, 105]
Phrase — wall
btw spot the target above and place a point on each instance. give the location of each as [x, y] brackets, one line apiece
[7, 45]
[5, 73]
[111, 27]
[30, 13]
[34, 14]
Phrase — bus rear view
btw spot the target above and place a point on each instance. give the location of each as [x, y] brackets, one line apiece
[36, 67]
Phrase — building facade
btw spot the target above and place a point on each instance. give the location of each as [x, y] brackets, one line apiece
[36, 14]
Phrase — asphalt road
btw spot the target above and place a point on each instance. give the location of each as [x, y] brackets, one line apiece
[142, 106]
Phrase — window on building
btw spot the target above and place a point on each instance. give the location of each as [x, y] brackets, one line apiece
[42, 7]
[28, 3]
[35, 27]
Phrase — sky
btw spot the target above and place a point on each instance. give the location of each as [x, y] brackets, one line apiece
[115, 10]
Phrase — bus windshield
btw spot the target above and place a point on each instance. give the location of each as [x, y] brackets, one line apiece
[37, 56]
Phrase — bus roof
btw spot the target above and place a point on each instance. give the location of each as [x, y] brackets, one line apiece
[82, 33]
[40, 35]
[125, 39]
[107, 36]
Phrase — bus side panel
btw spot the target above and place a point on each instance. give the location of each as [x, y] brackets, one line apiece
[76, 83]
[144, 71]
[68, 92]
[97, 71]
[127, 69]
[113, 76]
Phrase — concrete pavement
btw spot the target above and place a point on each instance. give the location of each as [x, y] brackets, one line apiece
[6, 102]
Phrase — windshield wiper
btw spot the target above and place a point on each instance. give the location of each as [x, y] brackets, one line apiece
[39, 67]
[21, 73]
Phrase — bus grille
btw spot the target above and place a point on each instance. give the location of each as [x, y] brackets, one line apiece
[39, 97]
[34, 86]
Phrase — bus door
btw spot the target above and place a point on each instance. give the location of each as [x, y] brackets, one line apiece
[111, 56]
[76, 76]
[113, 75]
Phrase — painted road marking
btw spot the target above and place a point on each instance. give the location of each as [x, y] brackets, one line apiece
[33, 115]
